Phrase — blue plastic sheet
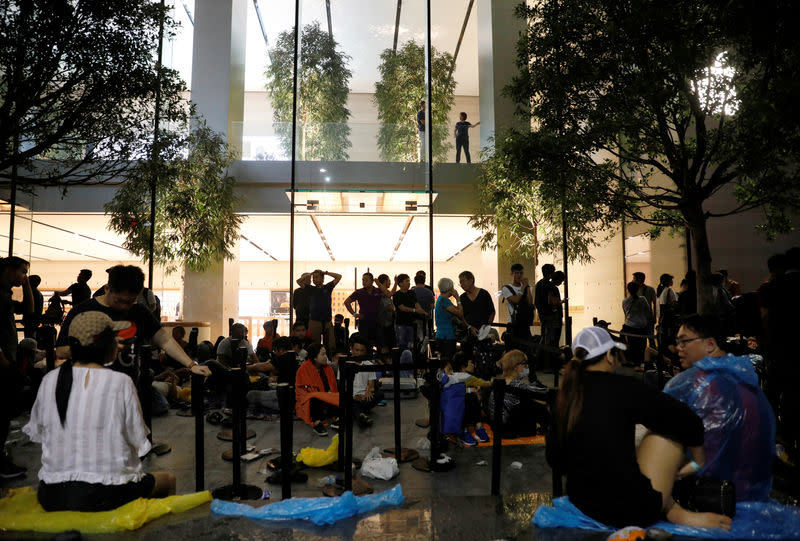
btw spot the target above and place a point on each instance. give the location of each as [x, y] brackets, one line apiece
[317, 510]
[754, 520]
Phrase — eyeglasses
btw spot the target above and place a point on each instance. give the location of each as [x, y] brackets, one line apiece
[682, 343]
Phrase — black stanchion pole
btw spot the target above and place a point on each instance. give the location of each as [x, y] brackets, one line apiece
[398, 452]
[436, 393]
[242, 397]
[349, 374]
[285, 403]
[238, 436]
[342, 416]
[499, 389]
[199, 431]
[145, 387]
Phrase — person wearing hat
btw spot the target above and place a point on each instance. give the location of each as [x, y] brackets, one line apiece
[89, 422]
[125, 283]
[593, 441]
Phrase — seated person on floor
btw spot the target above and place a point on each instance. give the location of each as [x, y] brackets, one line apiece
[316, 391]
[266, 342]
[284, 359]
[593, 440]
[522, 416]
[89, 422]
[723, 390]
[238, 338]
[366, 394]
[460, 406]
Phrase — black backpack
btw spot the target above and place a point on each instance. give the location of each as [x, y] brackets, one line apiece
[523, 311]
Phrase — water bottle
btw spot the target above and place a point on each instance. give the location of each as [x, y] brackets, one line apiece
[327, 480]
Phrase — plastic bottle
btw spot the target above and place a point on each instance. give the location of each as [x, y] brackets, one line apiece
[327, 480]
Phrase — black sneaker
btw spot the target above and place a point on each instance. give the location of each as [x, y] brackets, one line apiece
[9, 470]
[319, 430]
[334, 424]
[364, 421]
[537, 385]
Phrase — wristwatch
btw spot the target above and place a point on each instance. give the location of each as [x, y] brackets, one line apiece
[193, 364]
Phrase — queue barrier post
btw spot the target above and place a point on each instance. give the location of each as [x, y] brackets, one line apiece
[347, 422]
[238, 490]
[286, 408]
[499, 389]
[199, 432]
[341, 383]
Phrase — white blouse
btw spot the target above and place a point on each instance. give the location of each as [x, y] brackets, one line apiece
[103, 435]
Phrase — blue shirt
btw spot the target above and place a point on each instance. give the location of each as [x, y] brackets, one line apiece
[444, 319]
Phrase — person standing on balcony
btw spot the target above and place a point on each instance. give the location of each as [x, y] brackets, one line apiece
[319, 301]
[421, 130]
[461, 133]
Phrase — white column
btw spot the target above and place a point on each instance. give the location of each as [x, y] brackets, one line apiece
[498, 33]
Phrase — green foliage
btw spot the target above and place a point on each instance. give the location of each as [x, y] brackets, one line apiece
[77, 86]
[397, 97]
[196, 223]
[646, 110]
[322, 89]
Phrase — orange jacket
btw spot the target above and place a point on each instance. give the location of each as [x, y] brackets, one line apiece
[309, 385]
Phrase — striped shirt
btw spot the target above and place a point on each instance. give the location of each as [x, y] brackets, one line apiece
[104, 433]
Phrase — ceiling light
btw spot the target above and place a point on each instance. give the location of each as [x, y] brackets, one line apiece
[327, 179]
[323, 170]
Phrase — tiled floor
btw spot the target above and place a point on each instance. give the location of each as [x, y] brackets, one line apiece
[452, 505]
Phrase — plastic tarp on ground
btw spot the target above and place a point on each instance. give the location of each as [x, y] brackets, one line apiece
[318, 510]
[754, 520]
[22, 511]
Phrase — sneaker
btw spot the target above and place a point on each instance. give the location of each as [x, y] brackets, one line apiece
[481, 435]
[537, 385]
[364, 421]
[334, 424]
[9, 470]
[468, 440]
[319, 430]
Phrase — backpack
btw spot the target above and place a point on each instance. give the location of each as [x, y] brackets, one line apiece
[523, 311]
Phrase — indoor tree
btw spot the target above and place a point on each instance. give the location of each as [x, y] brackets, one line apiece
[196, 222]
[322, 90]
[647, 111]
[397, 97]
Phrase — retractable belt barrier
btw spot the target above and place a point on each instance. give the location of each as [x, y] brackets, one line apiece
[500, 389]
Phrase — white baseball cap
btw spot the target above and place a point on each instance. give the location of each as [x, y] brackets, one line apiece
[596, 341]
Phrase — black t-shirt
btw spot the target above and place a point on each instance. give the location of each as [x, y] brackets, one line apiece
[462, 130]
[301, 304]
[80, 292]
[421, 120]
[8, 327]
[477, 312]
[286, 365]
[405, 298]
[603, 476]
[143, 319]
[545, 288]
[319, 301]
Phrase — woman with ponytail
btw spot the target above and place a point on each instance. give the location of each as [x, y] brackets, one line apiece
[593, 440]
[89, 422]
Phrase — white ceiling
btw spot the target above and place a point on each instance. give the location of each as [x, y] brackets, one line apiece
[373, 237]
[363, 29]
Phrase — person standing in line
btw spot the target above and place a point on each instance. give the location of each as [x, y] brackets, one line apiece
[426, 299]
[300, 299]
[386, 315]
[652, 299]
[461, 133]
[13, 273]
[446, 312]
[519, 297]
[320, 314]
[369, 303]
[31, 321]
[405, 302]
[80, 289]
[421, 130]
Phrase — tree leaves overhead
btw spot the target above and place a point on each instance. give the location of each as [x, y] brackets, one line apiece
[77, 88]
[397, 97]
[322, 90]
[196, 223]
[645, 110]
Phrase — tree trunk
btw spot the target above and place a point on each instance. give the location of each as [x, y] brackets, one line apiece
[702, 259]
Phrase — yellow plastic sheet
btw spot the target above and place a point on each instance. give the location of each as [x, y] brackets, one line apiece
[317, 458]
[21, 511]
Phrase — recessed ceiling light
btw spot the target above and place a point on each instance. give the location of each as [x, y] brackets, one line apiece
[327, 179]
[322, 170]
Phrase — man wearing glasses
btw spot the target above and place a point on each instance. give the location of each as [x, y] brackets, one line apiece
[723, 391]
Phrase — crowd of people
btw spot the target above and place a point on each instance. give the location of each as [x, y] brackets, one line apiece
[711, 420]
